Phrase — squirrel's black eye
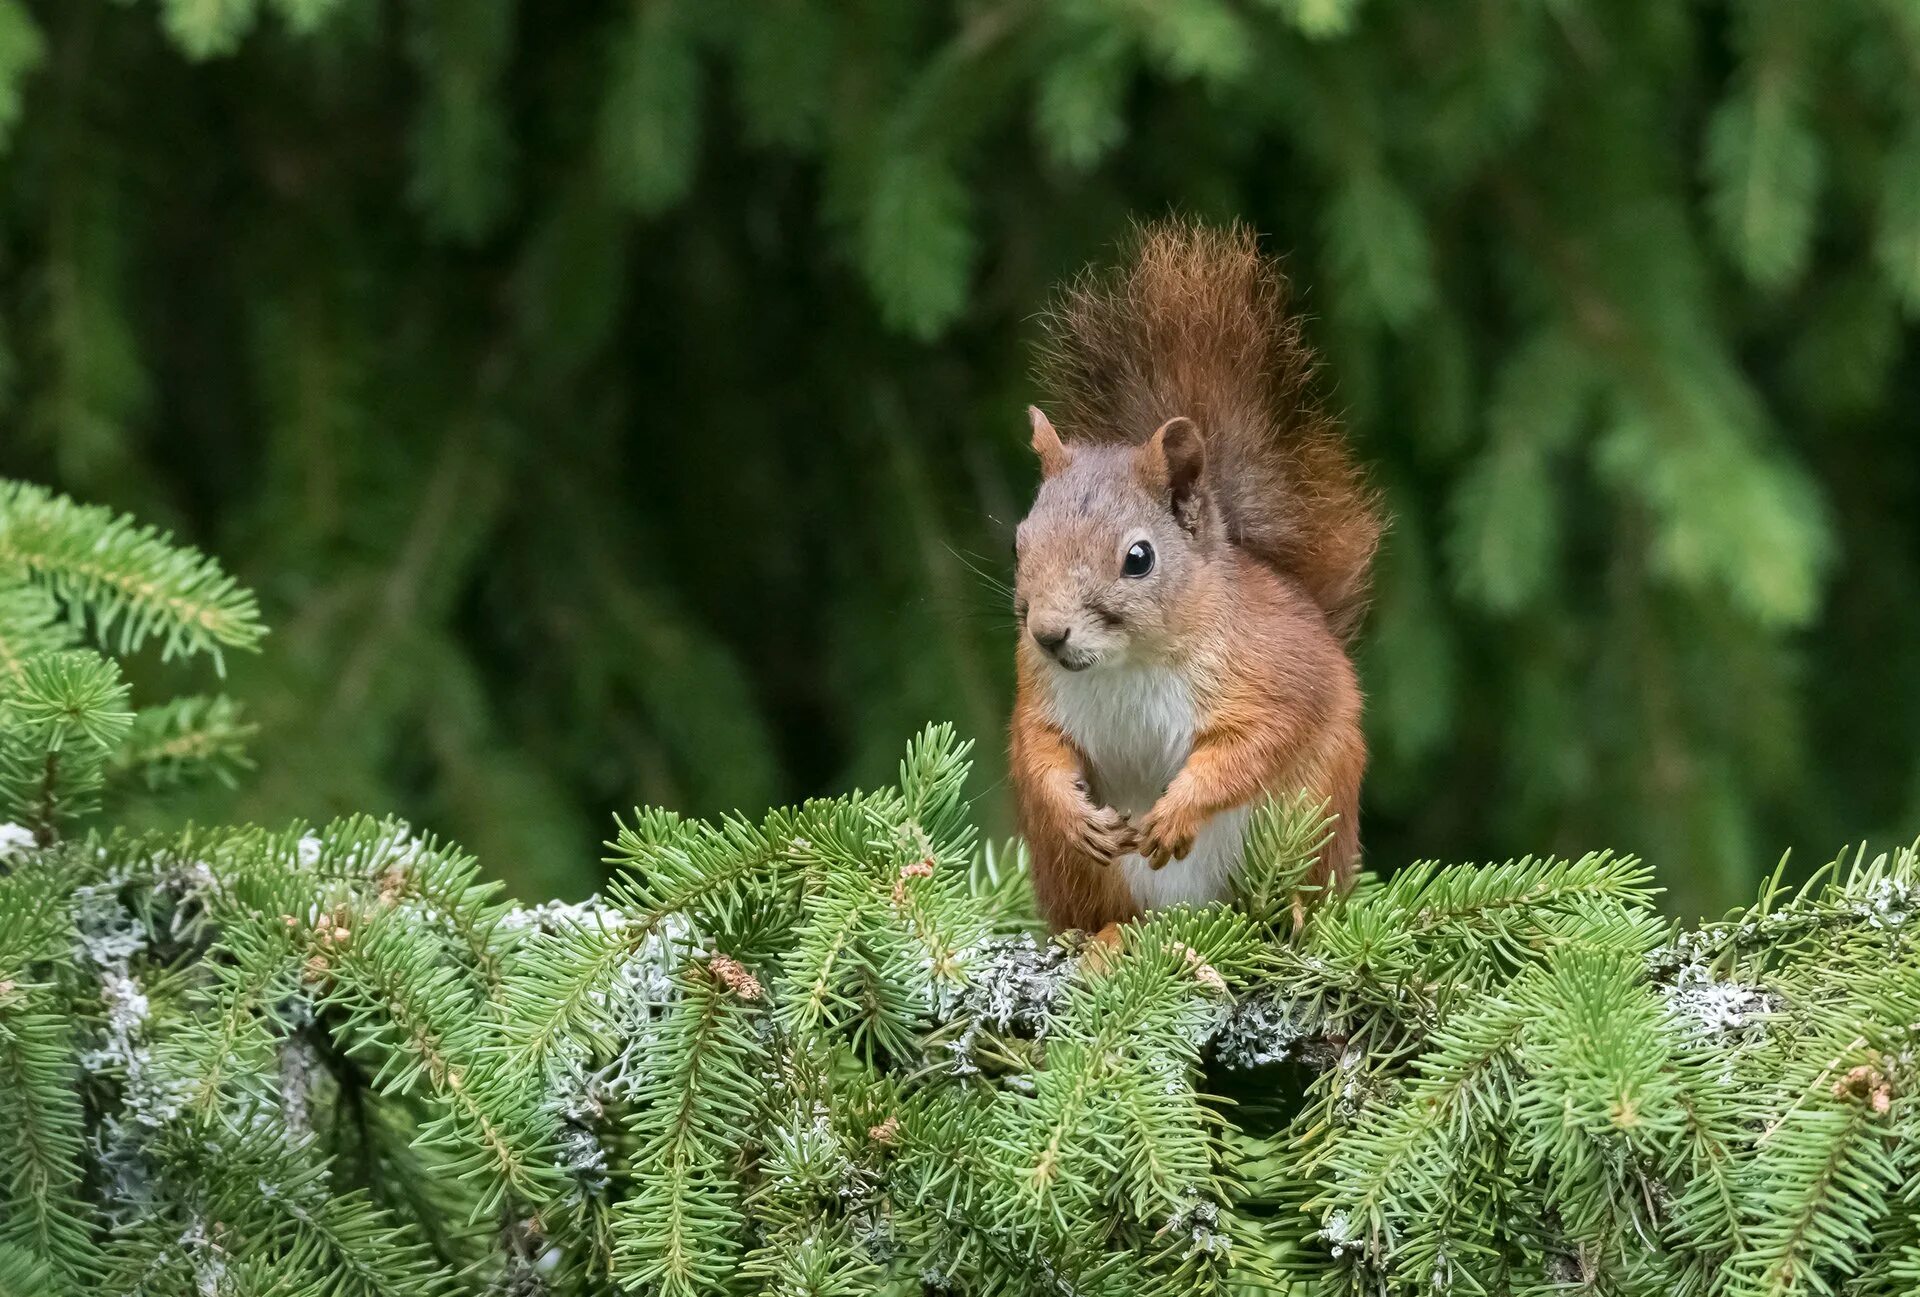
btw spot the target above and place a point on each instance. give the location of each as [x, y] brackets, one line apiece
[1139, 560]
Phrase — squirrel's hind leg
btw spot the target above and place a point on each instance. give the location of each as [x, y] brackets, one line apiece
[1075, 892]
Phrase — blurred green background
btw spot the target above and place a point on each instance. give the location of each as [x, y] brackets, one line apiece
[621, 403]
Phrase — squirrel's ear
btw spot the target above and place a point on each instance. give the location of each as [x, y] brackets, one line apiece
[1046, 443]
[1175, 456]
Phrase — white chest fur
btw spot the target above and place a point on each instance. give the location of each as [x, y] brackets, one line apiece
[1136, 725]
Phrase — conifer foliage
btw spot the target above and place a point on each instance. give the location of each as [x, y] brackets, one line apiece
[822, 1052]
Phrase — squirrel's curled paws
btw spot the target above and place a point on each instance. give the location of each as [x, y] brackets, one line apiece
[1105, 835]
[1166, 833]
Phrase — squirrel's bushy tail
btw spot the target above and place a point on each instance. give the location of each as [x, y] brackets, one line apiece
[1196, 323]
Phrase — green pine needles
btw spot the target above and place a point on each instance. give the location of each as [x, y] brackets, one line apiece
[824, 1052]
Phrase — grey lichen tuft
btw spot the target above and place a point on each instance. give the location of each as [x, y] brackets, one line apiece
[1260, 1030]
[1339, 1235]
[1014, 987]
[1199, 1223]
[1711, 1007]
[1015, 984]
[16, 840]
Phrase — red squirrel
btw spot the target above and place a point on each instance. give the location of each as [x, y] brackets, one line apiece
[1187, 582]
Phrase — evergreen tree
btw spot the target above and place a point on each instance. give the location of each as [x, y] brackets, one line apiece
[682, 343]
[824, 1053]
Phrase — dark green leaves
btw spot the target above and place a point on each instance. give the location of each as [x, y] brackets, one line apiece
[916, 242]
[650, 123]
[21, 48]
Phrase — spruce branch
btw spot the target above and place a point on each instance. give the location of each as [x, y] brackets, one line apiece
[677, 876]
[59, 725]
[817, 1053]
[30, 625]
[1818, 1192]
[1704, 1226]
[246, 1012]
[390, 867]
[818, 1206]
[420, 1020]
[1598, 1108]
[23, 1274]
[562, 987]
[42, 1135]
[1555, 1115]
[680, 1231]
[274, 1209]
[1401, 1159]
[129, 582]
[1284, 842]
[186, 739]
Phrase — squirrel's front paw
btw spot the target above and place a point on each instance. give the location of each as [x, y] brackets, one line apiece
[1167, 833]
[1105, 835]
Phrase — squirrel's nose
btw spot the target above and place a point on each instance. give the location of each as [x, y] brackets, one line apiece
[1051, 640]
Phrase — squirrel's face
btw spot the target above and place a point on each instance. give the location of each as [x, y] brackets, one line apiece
[1105, 556]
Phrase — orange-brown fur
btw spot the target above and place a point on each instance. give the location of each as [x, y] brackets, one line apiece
[1262, 581]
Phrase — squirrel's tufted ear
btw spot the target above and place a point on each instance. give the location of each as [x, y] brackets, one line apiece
[1172, 460]
[1046, 443]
